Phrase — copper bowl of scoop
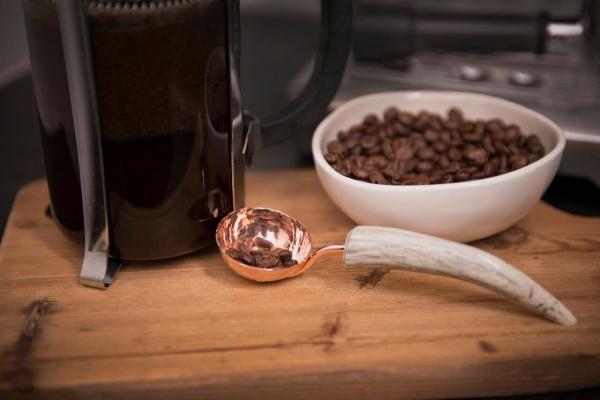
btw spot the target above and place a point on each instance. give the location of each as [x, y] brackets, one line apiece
[253, 231]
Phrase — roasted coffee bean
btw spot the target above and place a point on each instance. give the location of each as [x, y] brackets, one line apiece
[372, 130]
[369, 166]
[435, 177]
[454, 154]
[332, 157]
[391, 113]
[379, 161]
[455, 139]
[404, 179]
[414, 135]
[265, 259]
[371, 120]
[407, 149]
[445, 137]
[420, 124]
[373, 150]
[343, 135]
[502, 148]
[431, 135]
[341, 168]
[418, 143]
[356, 129]
[451, 124]
[423, 114]
[512, 135]
[368, 142]
[532, 157]
[514, 127]
[518, 161]
[487, 144]
[336, 147]
[467, 126]
[399, 142]
[440, 147]
[487, 170]
[283, 254]
[503, 163]
[377, 177]
[421, 180]
[406, 119]
[387, 150]
[477, 155]
[453, 167]
[435, 124]
[470, 169]
[462, 176]
[360, 172]
[289, 263]
[261, 242]
[355, 151]
[366, 162]
[447, 179]
[514, 149]
[455, 114]
[242, 247]
[494, 165]
[386, 131]
[494, 125]
[472, 137]
[443, 161]
[479, 128]
[498, 136]
[426, 153]
[390, 172]
[407, 166]
[242, 256]
[424, 166]
[350, 143]
[405, 152]
[399, 129]
[354, 135]
[534, 144]
[478, 175]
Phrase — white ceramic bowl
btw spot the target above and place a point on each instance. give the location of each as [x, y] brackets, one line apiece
[462, 211]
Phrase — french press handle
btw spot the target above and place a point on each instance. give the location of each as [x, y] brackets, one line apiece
[311, 104]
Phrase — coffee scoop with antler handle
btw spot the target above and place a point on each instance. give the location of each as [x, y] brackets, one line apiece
[266, 245]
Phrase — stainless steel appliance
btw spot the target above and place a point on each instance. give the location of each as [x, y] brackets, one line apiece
[542, 54]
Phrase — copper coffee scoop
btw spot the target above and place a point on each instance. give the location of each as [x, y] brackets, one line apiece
[371, 246]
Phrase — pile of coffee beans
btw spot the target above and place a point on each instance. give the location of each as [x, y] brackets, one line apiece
[265, 255]
[403, 148]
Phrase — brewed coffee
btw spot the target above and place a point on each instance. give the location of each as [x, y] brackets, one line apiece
[162, 85]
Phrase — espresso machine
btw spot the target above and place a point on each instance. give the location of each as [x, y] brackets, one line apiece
[144, 132]
[543, 54]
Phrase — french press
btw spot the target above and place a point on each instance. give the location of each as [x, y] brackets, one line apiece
[144, 134]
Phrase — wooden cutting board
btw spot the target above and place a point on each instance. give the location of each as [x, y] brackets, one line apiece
[191, 328]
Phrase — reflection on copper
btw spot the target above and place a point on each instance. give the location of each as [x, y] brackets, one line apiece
[241, 227]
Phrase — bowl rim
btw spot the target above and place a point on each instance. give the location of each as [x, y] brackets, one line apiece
[322, 128]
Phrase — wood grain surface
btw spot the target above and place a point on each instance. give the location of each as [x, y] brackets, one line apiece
[191, 328]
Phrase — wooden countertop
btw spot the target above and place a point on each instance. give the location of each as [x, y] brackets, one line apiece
[191, 328]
